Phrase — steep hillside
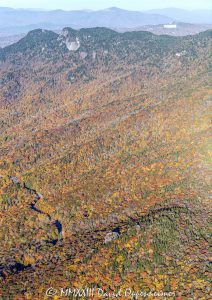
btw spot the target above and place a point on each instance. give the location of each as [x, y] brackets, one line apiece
[104, 163]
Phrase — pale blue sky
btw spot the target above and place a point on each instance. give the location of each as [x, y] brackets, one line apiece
[99, 4]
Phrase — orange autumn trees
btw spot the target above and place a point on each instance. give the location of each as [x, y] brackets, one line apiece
[123, 149]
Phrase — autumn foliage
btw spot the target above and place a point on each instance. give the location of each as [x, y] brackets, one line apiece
[122, 147]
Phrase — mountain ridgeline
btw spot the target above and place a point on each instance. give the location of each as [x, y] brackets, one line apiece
[81, 55]
[112, 18]
[43, 42]
[187, 22]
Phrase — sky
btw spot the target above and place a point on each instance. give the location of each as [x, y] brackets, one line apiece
[101, 4]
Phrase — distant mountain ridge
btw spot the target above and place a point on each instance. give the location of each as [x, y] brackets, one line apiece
[187, 16]
[180, 29]
[19, 21]
[112, 17]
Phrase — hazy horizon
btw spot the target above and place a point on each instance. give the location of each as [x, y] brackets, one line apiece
[99, 4]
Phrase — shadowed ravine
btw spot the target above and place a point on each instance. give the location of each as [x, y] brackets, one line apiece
[88, 240]
[94, 238]
[17, 266]
[56, 223]
[37, 197]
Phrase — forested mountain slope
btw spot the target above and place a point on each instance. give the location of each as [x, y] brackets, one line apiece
[104, 162]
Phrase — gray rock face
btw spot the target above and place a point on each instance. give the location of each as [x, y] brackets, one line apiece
[72, 45]
[83, 55]
[39, 196]
[137, 228]
[111, 236]
[15, 179]
[94, 55]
